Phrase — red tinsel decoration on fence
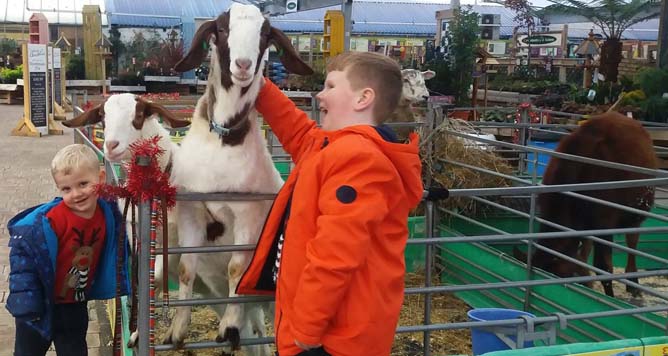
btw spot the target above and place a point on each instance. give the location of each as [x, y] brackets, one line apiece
[143, 181]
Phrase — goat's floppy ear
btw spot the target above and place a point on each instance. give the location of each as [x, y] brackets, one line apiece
[89, 117]
[287, 54]
[166, 115]
[198, 48]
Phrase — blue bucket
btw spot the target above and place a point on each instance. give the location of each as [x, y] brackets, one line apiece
[484, 341]
[543, 158]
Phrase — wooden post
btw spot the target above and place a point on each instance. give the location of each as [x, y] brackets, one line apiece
[564, 53]
[662, 50]
[92, 32]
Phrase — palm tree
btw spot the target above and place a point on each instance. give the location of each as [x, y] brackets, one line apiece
[613, 17]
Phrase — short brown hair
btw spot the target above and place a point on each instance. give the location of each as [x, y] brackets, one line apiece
[376, 71]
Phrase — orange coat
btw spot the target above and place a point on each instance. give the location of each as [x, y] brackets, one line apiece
[341, 276]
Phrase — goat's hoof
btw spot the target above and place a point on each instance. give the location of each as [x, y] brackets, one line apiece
[231, 334]
[133, 340]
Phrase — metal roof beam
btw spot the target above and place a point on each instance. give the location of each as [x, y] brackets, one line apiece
[565, 18]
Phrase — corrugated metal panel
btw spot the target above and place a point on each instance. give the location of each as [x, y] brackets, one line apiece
[16, 11]
[645, 31]
[370, 17]
[167, 8]
[389, 18]
[392, 18]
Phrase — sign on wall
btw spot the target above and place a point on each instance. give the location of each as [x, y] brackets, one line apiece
[37, 81]
[540, 40]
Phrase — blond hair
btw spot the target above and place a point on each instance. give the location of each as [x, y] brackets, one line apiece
[375, 71]
[74, 157]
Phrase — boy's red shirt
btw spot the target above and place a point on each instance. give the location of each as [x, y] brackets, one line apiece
[80, 242]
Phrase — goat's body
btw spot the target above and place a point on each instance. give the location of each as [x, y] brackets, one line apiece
[225, 151]
[204, 165]
[610, 137]
[243, 168]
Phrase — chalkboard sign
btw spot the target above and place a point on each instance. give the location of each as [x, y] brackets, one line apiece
[57, 83]
[37, 77]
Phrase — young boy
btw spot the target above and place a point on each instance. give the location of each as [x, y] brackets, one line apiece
[63, 253]
[332, 249]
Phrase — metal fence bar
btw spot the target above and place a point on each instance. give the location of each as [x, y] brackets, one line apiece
[429, 232]
[538, 235]
[533, 282]
[581, 159]
[537, 321]
[594, 238]
[558, 188]
[559, 308]
[143, 285]
[214, 301]
[597, 270]
[213, 344]
[207, 249]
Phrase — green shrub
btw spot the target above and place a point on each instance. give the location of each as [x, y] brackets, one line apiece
[76, 69]
[655, 109]
[9, 76]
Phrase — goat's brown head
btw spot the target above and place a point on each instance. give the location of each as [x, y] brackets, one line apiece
[238, 39]
[123, 117]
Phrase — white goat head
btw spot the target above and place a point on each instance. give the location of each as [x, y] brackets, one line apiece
[414, 87]
[123, 117]
[238, 39]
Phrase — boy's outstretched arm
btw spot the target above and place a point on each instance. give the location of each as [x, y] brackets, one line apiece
[290, 124]
[352, 201]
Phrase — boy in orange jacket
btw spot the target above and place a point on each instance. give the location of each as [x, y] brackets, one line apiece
[332, 249]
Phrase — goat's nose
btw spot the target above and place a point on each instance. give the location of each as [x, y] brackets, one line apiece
[243, 63]
[111, 144]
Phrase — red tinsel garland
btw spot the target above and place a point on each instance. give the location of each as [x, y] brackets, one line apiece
[143, 181]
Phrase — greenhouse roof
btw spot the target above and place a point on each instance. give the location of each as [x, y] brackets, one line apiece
[64, 12]
[382, 17]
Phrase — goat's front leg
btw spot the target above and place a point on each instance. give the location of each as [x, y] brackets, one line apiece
[191, 227]
[247, 228]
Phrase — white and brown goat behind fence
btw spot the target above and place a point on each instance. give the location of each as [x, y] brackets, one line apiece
[225, 151]
[128, 119]
[414, 90]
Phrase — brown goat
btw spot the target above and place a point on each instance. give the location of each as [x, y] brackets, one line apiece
[609, 137]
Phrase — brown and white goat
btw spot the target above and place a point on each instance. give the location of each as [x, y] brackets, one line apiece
[225, 151]
[610, 137]
[414, 90]
[127, 119]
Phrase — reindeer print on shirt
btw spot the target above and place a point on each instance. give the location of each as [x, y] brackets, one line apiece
[77, 276]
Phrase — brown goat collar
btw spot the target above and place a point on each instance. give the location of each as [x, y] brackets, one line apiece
[235, 130]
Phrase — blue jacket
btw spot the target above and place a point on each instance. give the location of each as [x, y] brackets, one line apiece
[31, 278]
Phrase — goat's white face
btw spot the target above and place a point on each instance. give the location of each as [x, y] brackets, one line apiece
[119, 132]
[244, 41]
[414, 87]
